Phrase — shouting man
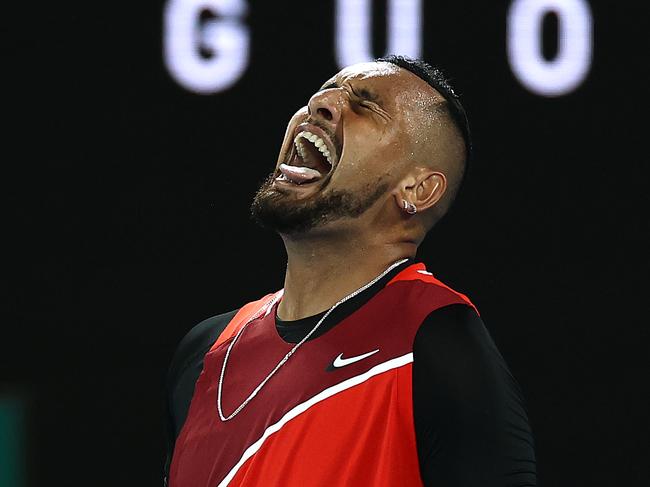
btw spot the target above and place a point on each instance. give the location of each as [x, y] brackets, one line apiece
[365, 370]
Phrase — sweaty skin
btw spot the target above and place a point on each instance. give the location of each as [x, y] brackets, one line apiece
[385, 132]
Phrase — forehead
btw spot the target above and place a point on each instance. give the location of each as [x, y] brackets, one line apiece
[366, 71]
[385, 79]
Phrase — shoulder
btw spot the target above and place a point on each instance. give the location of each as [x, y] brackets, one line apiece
[185, 367]
[197, 342]
[457, 320]
[454, 350]
[453, 336]
[424, 292]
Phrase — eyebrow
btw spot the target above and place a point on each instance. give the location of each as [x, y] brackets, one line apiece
[329, 86]
[363, 93]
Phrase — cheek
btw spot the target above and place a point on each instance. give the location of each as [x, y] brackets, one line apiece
[364, 164]
[370, 151]
[300, 114]
[287, 142]
[379, 149]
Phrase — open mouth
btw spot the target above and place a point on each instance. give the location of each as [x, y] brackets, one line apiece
[310, 160]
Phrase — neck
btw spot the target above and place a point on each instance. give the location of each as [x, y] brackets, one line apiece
[320, 272]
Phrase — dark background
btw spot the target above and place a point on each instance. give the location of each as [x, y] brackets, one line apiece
[127, 223]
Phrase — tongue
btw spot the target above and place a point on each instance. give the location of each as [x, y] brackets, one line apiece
[298, 174]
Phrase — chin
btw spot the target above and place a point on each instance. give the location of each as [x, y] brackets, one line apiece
[288, 213]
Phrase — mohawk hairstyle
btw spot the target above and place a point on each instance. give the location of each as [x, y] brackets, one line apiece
[437, 80]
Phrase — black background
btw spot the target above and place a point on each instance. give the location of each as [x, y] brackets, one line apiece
[127, 223]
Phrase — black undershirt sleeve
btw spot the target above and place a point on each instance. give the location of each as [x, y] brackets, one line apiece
[471, 425]
[184, 370]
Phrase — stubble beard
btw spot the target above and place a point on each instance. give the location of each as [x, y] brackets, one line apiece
[279, 212]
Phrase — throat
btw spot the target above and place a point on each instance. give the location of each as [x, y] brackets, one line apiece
[315, 288]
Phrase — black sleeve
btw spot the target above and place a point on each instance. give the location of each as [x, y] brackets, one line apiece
[186, 365]
[471, 425]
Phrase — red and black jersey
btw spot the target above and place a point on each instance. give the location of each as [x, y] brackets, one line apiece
[341, 411]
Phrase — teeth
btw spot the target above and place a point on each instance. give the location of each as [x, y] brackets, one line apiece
[314, 139]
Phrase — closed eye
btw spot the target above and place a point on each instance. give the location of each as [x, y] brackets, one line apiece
[363, 94]
[372, 106]
[363, 98]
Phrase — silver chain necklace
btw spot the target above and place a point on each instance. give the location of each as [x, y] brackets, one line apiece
[292, 351]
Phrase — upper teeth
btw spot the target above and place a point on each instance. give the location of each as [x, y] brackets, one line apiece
[314, 139]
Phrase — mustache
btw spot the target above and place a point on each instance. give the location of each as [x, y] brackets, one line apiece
[321, 126]
[328, 131]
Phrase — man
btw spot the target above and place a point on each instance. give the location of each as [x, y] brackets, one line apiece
[365, 369]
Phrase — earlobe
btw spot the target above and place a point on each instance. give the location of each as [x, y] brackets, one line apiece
[405, 192]
[409, 208]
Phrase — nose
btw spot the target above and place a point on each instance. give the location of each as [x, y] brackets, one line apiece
[326, 105]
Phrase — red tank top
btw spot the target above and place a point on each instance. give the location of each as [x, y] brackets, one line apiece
[338, 412]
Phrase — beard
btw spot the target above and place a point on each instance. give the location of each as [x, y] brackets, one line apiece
[279, 212]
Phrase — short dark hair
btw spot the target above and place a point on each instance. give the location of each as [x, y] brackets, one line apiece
[437, 80]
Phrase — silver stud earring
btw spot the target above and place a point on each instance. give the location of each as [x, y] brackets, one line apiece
[409, 208]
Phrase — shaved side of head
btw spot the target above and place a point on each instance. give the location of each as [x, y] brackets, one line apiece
[446, 142]
[447, 154]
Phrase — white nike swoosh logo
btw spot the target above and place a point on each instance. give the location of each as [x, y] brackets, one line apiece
[342, 362]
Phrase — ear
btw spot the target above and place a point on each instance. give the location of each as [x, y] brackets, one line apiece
[423, 189]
